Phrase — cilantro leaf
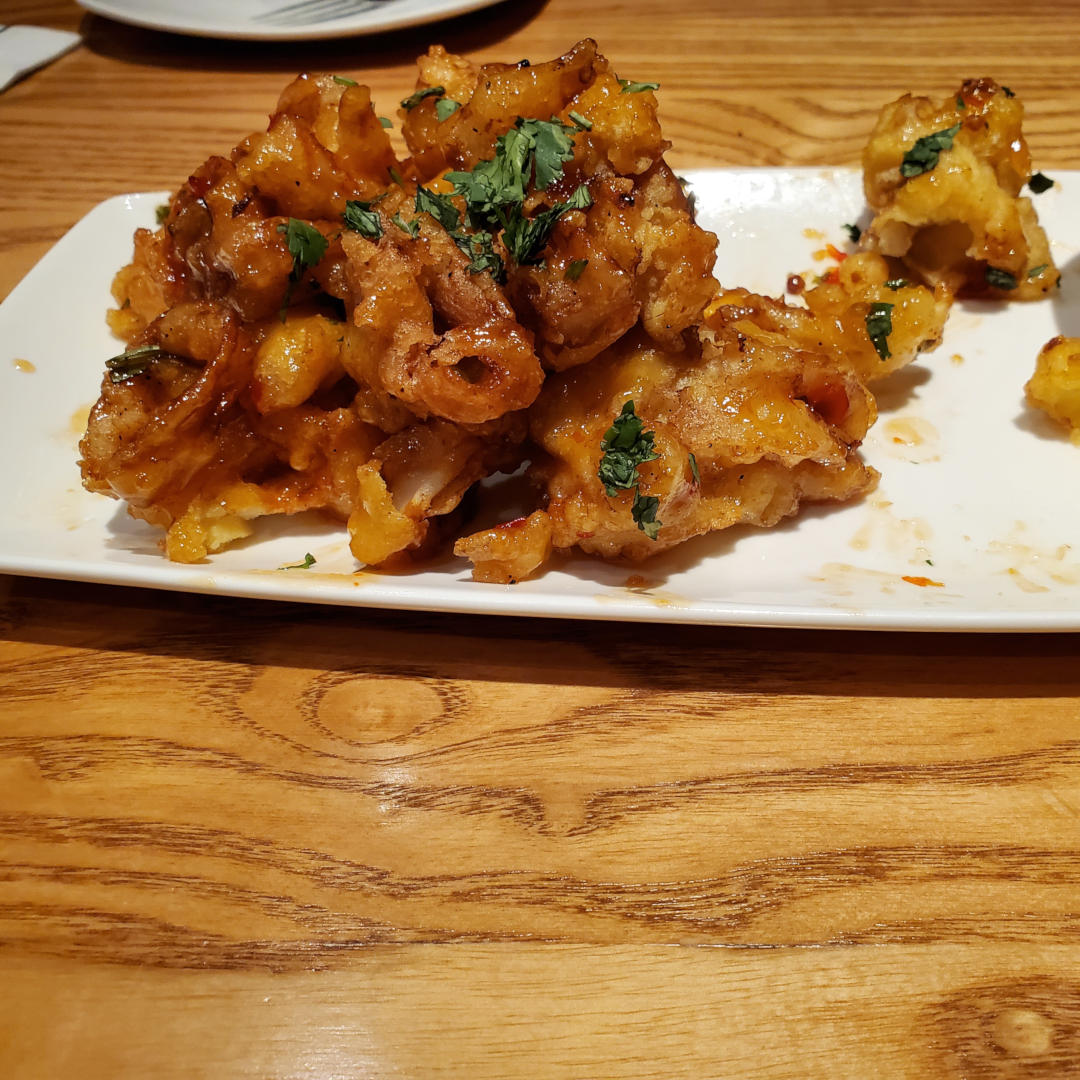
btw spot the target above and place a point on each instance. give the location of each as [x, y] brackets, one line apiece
[479, 246]
[575, 269]
[386, 121]
[694, 470]
[343, 81]
[1000, 279]
[533, 151]
[362, 219]
[629, 87]
[551, 147]
[410, 227]
[1035, 271]
[307, 564]
[923, 156]
[414, 99]
[396, 176]
[643, 512]
[879, 327]
[307, 246]
[440, 207]
[161, 213]
[445, 107]
[1039, 183]
[525, 237]
[1008, 92]
[854, 232]
[625, 446]
[580, 121]
[961, 104]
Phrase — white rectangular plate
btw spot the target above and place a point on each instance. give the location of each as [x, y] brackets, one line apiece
[978, 492]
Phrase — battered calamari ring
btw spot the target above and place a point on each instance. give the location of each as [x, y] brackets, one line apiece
[431, 333]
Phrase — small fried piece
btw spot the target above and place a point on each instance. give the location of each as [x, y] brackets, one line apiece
[1055, 386]
[944, 180]
[421, 474]
[868, 321]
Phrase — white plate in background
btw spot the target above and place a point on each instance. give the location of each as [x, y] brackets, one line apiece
[978, 492]
[243, 18]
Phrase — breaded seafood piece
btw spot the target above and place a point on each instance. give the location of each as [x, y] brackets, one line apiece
[944, 180]
[866, 318]
[635, 253]
[420, 475]
[429, 333]
[179, 441]
[1055, 386]
[741, 429]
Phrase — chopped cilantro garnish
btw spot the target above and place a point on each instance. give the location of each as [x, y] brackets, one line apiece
[1000, 279]
[525, 237]
[344, 81]
[625, 446]
[414, 99]
[854, 233]
[643, 512]
[897, 283]
[629, 87]
[1040, 182]
[580, 121]
[1035, 271]
[494, 192]
[479, 246]
[444, 107]
[307, 246]
[440, 207]
[386, 121]
[1008, 92]
[923, 156]
[396, 176]
[879, 327]
[960, 103]
[307, 564]
[694, 470]
[360, 217]
[410, 227]
[575, 269]
[161, 213]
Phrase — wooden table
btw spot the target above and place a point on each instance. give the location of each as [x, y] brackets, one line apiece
[242, 839]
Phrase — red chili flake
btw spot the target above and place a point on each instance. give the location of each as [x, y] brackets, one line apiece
[923, 582]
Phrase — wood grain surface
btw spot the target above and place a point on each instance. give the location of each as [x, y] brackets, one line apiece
[243, 839]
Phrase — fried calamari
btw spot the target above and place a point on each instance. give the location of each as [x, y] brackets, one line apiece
[320, 325]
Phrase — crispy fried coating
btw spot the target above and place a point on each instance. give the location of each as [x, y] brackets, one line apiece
[944, 181]
[183, 446]
[420, 474]
[836, 316]
[1055, 385]
[746, 428]
[477, 364]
